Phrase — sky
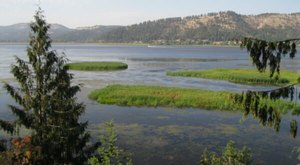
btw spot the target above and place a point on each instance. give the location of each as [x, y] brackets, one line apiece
[82, 13]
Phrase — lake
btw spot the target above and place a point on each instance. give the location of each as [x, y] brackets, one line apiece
[168, 135]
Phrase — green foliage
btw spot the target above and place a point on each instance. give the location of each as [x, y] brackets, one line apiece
[258, 104]
[297, 151]
[269, 53]
[46, 102]
[293, 128]
[244, 76]
[154, 96]
[2, 146]
[230, 156]
[97, 66]
[109, 153]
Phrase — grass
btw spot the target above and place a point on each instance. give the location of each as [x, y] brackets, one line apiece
[243, 76]
[97, 66]
[154, 96]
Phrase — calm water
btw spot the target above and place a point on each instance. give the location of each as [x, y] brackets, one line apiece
[168, 135]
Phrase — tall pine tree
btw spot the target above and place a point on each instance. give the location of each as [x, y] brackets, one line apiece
[46, 100]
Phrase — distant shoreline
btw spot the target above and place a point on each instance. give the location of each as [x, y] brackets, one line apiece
[122, 44]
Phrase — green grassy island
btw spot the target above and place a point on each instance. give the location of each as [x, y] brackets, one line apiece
[97, 66]
[243, 76]
[154, 96]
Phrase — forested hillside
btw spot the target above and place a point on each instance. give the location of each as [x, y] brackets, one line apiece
[216, 28]
[213, 27]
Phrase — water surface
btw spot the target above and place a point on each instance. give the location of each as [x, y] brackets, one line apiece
[168, 135]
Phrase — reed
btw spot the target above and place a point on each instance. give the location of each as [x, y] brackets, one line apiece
[156, 96]
[243, 76]
[97, 66]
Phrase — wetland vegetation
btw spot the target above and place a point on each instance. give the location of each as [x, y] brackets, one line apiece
[97, 66]
[153, 96]
[243, 76]
[45, 103]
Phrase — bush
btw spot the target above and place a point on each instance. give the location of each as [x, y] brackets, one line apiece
[109, 153]
[230, 156]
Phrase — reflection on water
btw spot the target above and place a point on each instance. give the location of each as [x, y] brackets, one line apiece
[170, 135]
[270, 116]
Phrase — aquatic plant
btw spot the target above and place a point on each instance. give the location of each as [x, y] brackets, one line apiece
[97, 66]
[237, 75]
[154, 96]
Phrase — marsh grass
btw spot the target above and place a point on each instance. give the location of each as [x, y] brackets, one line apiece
[243, 76]
[154, 96]
[97, 66]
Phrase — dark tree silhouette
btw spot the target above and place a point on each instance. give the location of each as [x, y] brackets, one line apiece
[268, 54]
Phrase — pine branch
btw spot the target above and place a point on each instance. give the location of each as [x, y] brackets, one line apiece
[9, 127]
[23, 116]
[12, 92]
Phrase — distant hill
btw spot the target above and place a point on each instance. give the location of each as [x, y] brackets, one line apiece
[212, 27]
[86, 34]
[59, 33]
[201, 29]
[20, 32]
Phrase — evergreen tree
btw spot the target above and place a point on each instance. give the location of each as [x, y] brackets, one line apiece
[46, 101]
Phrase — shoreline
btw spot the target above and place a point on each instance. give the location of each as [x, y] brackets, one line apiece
[123, 44]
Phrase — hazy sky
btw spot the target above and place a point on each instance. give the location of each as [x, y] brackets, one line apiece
[78, 13]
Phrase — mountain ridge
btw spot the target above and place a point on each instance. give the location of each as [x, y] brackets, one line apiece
[218, 27]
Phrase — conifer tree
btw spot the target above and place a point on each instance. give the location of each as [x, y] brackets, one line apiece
[46, 100]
